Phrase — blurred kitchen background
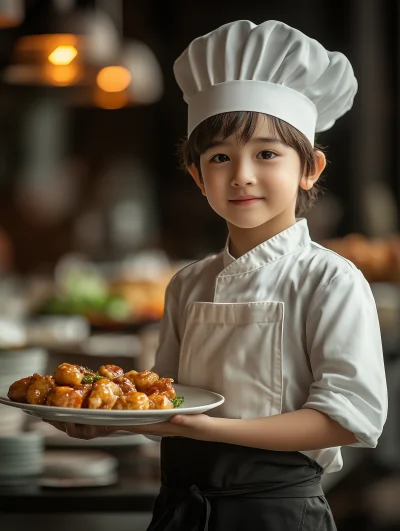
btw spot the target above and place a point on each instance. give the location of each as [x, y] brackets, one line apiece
[96, 216]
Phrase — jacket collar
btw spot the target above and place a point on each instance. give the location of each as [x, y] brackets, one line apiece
[280, 245]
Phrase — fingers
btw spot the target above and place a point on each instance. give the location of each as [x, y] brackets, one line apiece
[81, 431]
[86, 431]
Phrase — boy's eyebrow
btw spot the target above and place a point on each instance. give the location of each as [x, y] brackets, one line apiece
[267, 140]
[258, 139]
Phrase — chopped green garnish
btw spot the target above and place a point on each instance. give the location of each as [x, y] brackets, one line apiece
[91, 378]
[177, 401]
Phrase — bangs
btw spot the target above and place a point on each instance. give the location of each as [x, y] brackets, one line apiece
[242, 124]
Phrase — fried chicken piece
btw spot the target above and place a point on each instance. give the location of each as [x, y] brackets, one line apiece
[111, 371]
[125, 384]
[132, 400]
[85, 390]
[163, 386]
[104, 394]
[142, 380]
[38, 389]
[64, 396]
[131, 375]
[69, 375]
[158, 401]
[17, 390]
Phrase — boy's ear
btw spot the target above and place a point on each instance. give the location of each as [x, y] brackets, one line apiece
[194, 172]
[308, 181]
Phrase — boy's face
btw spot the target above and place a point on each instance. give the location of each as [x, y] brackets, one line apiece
[252, 184]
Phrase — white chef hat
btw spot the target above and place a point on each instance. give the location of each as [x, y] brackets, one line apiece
[270, 68]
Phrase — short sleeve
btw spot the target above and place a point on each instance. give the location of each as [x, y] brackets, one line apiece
[167, 355]
[345, 351]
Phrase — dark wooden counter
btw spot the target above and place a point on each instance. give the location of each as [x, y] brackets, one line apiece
[128, 495]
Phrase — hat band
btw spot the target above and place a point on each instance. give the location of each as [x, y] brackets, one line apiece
[257, 96]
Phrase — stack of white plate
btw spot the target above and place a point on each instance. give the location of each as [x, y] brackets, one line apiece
[21, 458]
[14, 365]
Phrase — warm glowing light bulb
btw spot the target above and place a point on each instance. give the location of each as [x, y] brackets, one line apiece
[113, 78]
[63, 55]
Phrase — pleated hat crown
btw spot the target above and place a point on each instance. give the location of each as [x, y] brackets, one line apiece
[269, 68]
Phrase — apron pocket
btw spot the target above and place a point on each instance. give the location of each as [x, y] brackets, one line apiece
[235, 350]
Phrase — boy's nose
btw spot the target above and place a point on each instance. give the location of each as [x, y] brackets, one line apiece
[243, 177]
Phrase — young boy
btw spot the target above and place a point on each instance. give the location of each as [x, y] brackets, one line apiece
[286, 330]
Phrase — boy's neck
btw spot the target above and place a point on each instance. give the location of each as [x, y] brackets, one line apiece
[241, 241]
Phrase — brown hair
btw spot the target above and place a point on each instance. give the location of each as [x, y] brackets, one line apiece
[243, 124]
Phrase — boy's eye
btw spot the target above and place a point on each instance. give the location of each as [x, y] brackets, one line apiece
[220, 158]
[266, 155]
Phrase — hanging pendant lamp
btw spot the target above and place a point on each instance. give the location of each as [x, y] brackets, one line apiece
[63, 49]
[84, 50]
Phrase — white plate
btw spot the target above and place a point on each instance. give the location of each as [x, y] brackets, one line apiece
[196, 401]
[77, 464]
[108, 479]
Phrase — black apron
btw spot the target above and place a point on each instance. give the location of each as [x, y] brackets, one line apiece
[208, 486]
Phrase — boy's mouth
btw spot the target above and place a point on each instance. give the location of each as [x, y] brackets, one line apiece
[245, 200]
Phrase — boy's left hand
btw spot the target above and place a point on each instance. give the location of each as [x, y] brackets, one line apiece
[191, 426]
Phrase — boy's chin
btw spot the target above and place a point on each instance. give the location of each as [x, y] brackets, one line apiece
[250, 224]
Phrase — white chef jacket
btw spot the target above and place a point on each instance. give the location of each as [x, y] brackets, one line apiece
[288, 325]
